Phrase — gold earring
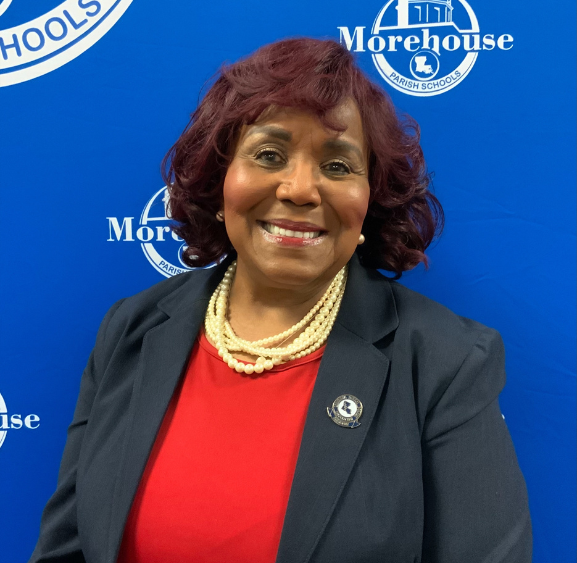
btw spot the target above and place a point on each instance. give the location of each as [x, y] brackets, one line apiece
[220, 216]
[361, 238]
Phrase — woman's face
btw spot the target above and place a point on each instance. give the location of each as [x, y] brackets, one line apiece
[295, 196]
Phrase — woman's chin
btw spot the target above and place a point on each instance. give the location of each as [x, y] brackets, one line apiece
[291, 272]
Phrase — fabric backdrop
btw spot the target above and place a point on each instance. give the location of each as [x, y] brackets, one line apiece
[94, 92]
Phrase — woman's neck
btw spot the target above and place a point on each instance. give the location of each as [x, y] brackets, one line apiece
[257, 310]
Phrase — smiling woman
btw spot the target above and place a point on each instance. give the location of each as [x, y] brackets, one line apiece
[292, 404]
[359, 137]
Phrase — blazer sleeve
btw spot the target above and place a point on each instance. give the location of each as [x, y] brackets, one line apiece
[58, 541]
[476, 506]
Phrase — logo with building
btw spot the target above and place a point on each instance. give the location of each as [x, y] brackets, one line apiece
[38, 46]
[14, 421]
[161, 246]
[424, 47]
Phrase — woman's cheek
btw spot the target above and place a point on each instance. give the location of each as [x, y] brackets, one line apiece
[241, 190]
[352, 206]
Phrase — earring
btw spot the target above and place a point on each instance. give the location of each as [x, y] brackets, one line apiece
[361, 238]
[220, 216]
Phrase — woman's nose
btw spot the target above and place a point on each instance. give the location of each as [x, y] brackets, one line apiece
[301, 184]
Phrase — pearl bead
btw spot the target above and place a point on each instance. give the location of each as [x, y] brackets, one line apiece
[270, 351]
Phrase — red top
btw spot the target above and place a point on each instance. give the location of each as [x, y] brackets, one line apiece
[218, 479]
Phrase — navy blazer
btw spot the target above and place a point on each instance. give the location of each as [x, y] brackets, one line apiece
[430, 475]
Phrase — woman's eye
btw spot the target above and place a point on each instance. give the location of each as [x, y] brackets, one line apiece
[269, 156]
[338, 167]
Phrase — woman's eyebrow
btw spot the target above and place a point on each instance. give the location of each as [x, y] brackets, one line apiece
[340, 145]
[271, 131]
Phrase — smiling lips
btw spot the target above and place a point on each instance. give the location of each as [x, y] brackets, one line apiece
[292, 233]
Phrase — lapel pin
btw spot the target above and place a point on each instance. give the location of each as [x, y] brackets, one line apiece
[346, 411]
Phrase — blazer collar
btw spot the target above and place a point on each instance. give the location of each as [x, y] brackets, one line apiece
[199, 287]
[368, 308]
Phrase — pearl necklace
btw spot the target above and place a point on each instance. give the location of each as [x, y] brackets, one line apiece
[320, 320]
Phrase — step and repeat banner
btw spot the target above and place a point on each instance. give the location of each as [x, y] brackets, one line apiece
[94, 92]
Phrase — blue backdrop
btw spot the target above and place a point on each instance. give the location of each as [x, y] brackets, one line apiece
[92, 95]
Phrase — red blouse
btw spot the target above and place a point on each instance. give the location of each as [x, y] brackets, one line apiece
[218, 479]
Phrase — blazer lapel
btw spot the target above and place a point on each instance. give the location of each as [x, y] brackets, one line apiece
[350, 365]
[164, 355]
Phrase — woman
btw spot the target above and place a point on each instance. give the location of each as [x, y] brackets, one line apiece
[292, 404]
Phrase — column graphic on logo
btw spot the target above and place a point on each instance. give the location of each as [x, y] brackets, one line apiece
[38, 46]
[417, 12]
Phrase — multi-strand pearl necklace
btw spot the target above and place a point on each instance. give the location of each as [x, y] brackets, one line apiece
[320, 320]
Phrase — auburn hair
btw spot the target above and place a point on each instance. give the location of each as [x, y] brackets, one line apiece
[313, 75]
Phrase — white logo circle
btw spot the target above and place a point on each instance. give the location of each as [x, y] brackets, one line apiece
[162, 247]
[157, 237]
[426, 47]
[46, 43]
[424, 65]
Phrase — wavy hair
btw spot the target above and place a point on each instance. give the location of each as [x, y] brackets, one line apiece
[313, 75]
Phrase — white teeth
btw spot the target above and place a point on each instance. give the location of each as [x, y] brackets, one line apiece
[274, 230]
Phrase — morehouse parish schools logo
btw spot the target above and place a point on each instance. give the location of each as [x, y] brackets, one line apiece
[15, 421]
[38, 46]
[161, 246]
[424, 47]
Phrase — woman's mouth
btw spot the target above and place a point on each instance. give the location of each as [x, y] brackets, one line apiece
[291, 237]
[274, 230]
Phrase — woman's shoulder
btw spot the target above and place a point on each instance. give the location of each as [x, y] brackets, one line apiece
[427, 325]
[150, 297]
[378, 307]
[142, 311]
[427, 314]
[449, 356]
